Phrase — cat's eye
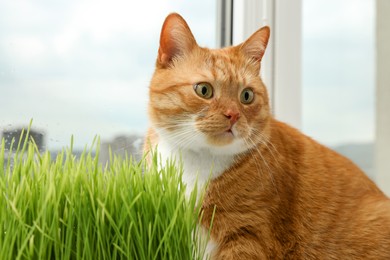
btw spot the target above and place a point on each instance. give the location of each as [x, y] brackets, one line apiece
[204, 90]
[247, 96]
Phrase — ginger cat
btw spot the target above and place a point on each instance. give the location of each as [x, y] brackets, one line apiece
[277, 193]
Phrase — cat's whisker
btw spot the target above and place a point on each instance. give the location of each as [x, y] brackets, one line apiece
[258, 165]
[183, 138]
[270, 173]
[174, 126]
[264, 140]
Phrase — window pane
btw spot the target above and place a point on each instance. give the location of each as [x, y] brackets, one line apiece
[338, 76]
[82, 68]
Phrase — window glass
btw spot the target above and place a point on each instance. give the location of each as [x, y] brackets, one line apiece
[83, 68]
[338, 76]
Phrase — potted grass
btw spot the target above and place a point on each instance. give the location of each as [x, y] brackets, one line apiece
[76, 208]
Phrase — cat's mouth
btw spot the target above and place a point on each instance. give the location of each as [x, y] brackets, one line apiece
[224, 137]
[227, 134]
[230, 132]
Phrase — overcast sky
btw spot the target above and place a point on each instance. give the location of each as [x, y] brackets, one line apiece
[83, 67]
[339, 70]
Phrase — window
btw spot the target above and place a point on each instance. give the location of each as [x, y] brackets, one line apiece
[82, 68]
[339, 77]
[321, 72]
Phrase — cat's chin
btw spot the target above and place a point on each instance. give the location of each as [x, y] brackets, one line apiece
[222, 139]
[234, 148]
[225, 144]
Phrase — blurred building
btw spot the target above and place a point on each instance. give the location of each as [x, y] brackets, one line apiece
[362, 154]
[12, 137]
[122, 146]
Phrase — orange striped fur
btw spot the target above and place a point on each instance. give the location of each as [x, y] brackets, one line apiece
[278, 194]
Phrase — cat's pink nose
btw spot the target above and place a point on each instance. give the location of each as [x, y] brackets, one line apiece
[232, 115]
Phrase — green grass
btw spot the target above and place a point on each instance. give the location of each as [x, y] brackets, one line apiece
[71, 208]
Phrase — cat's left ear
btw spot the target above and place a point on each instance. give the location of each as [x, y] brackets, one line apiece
[254, 46]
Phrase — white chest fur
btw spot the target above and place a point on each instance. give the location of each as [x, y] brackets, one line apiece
[201, 162]
[198, 166]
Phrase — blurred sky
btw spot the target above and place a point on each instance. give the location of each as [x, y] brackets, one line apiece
[339, 70]
[83, 67]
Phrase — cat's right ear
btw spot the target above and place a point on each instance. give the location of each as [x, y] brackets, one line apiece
[176, 39]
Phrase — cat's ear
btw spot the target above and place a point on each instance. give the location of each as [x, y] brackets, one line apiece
[254, 46]
[176, 39]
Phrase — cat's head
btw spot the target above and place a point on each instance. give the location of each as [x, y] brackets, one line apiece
[203, 99]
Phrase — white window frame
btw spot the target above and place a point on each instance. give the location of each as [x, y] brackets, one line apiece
[281, 65]
[382, 142]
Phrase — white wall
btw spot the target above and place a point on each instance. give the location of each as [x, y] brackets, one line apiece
[383, 95]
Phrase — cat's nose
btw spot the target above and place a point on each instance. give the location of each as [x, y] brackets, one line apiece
[232, 115]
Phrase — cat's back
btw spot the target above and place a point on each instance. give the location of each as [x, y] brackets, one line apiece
[341, 213]
[318, 165]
